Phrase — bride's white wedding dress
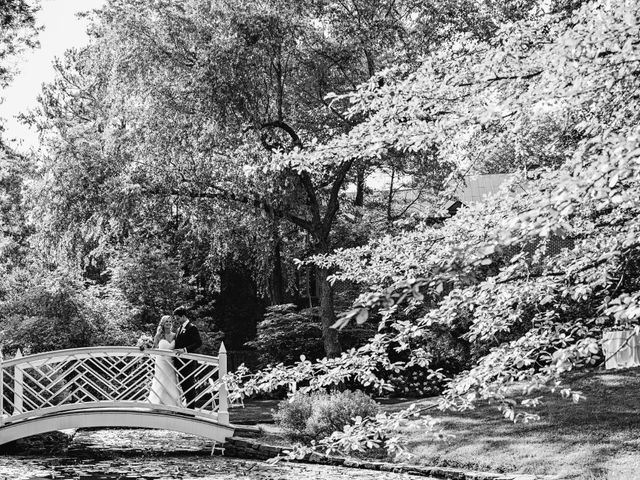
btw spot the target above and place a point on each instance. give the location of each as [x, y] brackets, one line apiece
[164, 386]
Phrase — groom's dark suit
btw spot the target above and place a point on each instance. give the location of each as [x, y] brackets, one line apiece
[187, 337]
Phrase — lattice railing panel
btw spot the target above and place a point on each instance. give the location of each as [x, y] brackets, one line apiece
[112, 376]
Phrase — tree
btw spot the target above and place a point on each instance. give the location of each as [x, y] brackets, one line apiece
[17, 32]
[538, 312]
[15, 229]
[149, 278]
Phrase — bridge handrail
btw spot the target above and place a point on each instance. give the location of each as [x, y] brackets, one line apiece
[95, 405]
[53, 356]
[78, 378]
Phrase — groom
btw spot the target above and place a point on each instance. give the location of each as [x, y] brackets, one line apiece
[187, 341]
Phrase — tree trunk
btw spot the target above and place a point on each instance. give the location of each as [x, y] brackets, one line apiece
[359, 201]
[390, 197]
[332, 346]
[277, 281]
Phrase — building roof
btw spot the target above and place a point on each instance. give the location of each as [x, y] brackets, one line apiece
[470, 190]
[475, 188]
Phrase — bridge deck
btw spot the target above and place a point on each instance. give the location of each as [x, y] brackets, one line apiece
[116, 417]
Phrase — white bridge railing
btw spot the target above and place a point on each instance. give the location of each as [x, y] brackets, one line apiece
[111, 377]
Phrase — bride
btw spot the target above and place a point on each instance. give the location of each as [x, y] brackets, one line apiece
[164, 387]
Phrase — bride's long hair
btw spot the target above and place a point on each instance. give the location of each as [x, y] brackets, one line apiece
[167, 324]
[166, 321]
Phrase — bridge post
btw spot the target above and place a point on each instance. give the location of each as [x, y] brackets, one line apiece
[1, 390]
[18, 386]
[223, 405]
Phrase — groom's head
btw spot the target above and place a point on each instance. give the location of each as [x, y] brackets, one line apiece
[180, 314]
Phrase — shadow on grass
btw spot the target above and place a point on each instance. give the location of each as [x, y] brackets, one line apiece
[594, 439]
[254, 412]
[587, 439]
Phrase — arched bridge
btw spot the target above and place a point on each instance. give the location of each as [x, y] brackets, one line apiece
[113, 387]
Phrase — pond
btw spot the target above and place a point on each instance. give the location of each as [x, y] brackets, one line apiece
[161, 455]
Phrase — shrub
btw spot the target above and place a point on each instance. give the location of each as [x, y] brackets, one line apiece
[43, 310]
[292, 414]
[288, 332]
[317, 415]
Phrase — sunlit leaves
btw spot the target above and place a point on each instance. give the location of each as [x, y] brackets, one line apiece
[536, 305]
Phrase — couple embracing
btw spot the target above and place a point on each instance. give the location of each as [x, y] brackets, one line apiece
[174, 377]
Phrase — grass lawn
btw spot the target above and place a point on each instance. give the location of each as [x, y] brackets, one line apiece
[595, 439]
[598, 438]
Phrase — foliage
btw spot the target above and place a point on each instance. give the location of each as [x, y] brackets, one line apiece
[373, 433]
[17, 31]
[317, 415]
[361, 367]
[540, 313]
[150, 280]
[531, 313]
[448, 355]
[293, 413]
[15, 229]
[43, 311]
[284, 334]
[179, 116]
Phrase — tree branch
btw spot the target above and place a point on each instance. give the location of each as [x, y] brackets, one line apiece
[333, 205]
[560, 273]
[527, 76]
[295, 139]
[225, 195]
[314, 204]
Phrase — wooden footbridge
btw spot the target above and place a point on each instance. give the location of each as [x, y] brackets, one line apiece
[109, 387]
